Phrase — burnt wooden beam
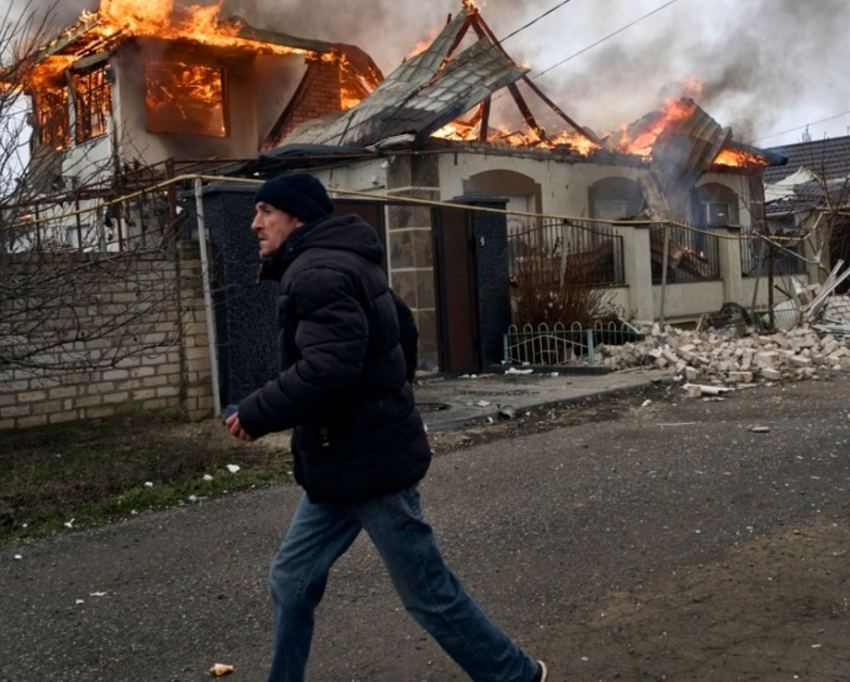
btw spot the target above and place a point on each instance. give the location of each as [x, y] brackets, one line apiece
[554, 107]
[526, 112]
[485, 120]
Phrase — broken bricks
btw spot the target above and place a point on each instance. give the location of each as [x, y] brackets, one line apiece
[711, 357]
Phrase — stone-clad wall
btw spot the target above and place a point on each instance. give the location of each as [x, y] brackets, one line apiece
[165, 365]
[410, 257]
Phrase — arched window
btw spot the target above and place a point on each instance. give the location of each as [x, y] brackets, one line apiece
[522, 192]
[615, 199]
[718, 205]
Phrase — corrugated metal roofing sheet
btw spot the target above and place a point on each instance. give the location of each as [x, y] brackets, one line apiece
[420, 96]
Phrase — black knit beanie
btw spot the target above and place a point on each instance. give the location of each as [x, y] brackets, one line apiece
[298, 194]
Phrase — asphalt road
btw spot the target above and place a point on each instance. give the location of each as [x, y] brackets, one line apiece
[675, 541]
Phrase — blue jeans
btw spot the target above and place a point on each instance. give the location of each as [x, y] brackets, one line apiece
[321, 533]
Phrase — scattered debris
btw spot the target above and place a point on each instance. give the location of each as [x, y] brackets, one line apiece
[514, 370]
[727, 351]
[233, 468]
[697, 390]
[731, 317]
[759, 429]
[811, 311]
[507, 412]
[220, 669]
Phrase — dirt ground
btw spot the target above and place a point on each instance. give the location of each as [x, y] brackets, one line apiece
[641, 537]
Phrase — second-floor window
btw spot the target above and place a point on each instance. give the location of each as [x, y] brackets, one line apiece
[51, 112]
[93, 103]
[185, 98]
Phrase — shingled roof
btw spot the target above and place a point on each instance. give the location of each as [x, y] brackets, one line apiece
[811, 166]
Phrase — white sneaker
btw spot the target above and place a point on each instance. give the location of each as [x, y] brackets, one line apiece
[543, 672]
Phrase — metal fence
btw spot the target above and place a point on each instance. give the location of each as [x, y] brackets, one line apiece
[693, 254]
[560, 346]
[143, 209]
[563, 244]
[147, 219]
[759, 258]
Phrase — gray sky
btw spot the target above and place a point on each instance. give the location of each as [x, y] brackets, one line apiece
[768, 68]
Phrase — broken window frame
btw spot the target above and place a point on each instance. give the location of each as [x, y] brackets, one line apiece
[188, 126]
[615, 198]
[716, 199]
[92, 103]
[52, 115]
[715, 212]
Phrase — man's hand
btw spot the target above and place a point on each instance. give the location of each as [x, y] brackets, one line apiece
[232, 424]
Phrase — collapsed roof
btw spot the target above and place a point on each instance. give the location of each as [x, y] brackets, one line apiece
[430, 90]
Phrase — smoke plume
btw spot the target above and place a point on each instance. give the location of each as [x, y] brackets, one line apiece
[761, 66]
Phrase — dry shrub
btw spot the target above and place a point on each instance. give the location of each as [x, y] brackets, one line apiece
[540, 297]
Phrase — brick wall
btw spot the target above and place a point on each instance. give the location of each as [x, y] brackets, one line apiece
[147, 348]
[318, 95]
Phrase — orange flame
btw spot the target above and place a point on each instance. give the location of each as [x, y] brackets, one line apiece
[186, 92]
[648, 131]
[424, 44]
[737, 158]
[469, 131]
[147, 18]
[161, 19]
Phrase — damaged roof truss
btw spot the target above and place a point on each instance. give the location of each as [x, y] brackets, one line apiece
[432, 89]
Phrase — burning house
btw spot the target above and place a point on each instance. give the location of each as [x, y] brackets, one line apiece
[142, 90]
[461, 119]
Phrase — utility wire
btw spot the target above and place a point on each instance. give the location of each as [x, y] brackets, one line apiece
[498, 44]
[602, 40]
[535, 20]
[351, 125]
[802, 127]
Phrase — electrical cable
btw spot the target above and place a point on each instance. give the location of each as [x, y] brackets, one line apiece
[602, 40]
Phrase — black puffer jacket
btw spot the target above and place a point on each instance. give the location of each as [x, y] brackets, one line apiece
[344, 384]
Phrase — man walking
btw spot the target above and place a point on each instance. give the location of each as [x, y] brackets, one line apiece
[347, 346]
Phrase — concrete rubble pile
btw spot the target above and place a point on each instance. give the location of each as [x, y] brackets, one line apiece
[735, 356]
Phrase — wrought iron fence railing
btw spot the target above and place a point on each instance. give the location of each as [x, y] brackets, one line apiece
[693, 254]
[559, 345]
[561, 244]
[759, 258]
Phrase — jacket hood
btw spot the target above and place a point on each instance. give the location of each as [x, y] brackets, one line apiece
[343, 233]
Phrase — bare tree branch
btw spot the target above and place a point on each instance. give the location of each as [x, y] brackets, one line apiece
[88, 278]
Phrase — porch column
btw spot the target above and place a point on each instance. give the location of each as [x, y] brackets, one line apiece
[730, 264]
[637, 261]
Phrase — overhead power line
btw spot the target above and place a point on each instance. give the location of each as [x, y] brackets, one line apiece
[804, 126]
[535, 20]
[602, 40]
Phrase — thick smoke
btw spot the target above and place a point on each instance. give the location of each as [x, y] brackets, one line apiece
[764, 66]
[57, 13]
